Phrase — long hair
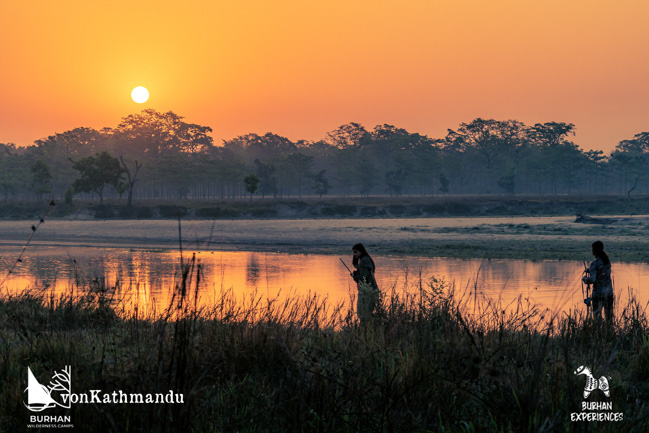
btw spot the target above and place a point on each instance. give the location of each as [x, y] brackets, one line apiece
[363, 251]
[598, 251]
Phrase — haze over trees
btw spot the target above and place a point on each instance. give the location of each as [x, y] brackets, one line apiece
[154, 155]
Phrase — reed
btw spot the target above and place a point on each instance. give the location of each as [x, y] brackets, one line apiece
[435, 358]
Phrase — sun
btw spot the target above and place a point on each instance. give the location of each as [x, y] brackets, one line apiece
[140, 94]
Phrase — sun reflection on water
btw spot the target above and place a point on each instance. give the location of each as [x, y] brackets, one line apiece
[145, 279]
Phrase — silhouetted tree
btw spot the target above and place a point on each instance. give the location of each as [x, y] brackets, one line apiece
[494, 141]
[96, 172]
[350, 135]
[630, 159]
[507, 183]
[130, 178]
[59, 149]
[264, 148]
[321, 183]
[551, 133]
[152, 133]
[252, 184]
[41, 178]
[13, 170]
[296, 169]
[554, 157]
[229, 171]
[178, 160]
[265, 172]
[444, 183]
[596, 169]
[365, 176]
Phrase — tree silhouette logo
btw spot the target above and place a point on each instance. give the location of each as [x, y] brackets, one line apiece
[57, 393]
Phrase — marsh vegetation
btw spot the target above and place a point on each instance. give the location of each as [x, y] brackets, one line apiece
[425, 363]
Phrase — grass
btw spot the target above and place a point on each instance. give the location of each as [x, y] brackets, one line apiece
[426, 363]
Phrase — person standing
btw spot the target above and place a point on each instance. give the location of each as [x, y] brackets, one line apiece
[368, 290]
[599, 275]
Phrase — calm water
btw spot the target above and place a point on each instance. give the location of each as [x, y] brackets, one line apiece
[147, 277]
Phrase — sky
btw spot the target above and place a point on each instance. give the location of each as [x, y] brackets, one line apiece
[302, 68]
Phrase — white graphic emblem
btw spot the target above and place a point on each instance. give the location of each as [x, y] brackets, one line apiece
[592, 383]
[41, 397]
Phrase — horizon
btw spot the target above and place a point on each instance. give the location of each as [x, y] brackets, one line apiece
[221, 141]
[300, 71]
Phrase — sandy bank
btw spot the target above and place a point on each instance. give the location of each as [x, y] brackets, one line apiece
[502, 237]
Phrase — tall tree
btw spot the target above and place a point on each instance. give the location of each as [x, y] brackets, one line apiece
[597, 163]
[496, 142]
[152, 133]
[556, 158]
[266, 174]
[551, 133]
[489, 138]
[263, 147]
[346, 136]
[229, 170]
[41, 178]
[13, 170]
[251, 183]
[58, 149]
[443, 184]
[631, 160]
[131, 178]
[296, 169]
[321, 183]
[97, 172]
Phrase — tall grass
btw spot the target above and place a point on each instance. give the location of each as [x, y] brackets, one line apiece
[426, 362]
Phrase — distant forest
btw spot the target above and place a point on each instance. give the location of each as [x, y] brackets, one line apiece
[154, 155]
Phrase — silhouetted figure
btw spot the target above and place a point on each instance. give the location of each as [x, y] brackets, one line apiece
[599, 275]
[368, 290]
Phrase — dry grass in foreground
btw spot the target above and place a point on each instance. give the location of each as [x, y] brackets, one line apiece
[422, 365]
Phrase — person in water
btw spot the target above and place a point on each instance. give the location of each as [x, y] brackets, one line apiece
[599, 275]
[368, 290]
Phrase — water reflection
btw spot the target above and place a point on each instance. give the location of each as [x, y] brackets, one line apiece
[253, 271]
[147, 278]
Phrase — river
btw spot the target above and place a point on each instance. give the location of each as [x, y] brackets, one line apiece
[146, 277]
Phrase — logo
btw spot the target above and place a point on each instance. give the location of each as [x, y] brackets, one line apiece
[595, 410]
[592, 383]
[41, 397]
[58, 394]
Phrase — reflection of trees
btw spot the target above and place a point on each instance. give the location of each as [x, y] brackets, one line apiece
[147, 278]
[252, 270]
[45, 269]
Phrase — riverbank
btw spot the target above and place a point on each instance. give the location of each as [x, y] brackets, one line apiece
[533, 238]
[334, 208]
[422, 365]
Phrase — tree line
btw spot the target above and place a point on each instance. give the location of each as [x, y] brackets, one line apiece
[155, 155]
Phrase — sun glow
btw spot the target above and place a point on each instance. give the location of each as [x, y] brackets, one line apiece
[140, 94]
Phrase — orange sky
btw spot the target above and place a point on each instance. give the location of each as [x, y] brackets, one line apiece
[302, 68]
